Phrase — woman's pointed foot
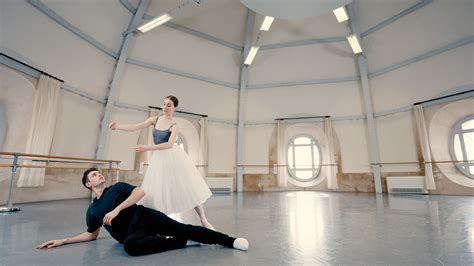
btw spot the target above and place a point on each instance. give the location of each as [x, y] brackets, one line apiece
[206, 224]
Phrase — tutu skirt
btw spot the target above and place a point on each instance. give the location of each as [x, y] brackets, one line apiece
[172, 183]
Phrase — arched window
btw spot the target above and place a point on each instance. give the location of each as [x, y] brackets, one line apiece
[461, 145]
[303, 158]
[181, 142]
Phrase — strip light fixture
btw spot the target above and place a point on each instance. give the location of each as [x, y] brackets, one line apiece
[251, 55]
[155, 22]
[341, 14]
[267, 22]
[354, 42]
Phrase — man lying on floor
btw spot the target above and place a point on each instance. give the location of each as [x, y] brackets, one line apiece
[141, 230]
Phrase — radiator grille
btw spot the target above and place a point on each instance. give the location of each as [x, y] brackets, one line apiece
[220, 190]
[407, 190]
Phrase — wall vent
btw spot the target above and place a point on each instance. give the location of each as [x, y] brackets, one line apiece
[406, 185]
[221, 184]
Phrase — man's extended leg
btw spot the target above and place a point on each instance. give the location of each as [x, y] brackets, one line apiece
[143, 243]
[159, 223]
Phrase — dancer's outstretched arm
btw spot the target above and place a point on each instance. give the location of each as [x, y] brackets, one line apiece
[150, 121]
[86, 236]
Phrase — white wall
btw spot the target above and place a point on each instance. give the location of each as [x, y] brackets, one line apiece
[144, 87]
[2, 23]
[336, 100]
[431, 27]
[174, 49]
[105, 20]
[311, 62]
[17, 95]
[121, 144]
[3, 127]
[54, 49]
[31, 34]
[36, 39]
[222, 148]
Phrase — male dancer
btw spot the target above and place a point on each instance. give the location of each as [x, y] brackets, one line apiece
[141, 230]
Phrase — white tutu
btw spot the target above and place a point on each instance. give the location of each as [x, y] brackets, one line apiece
[172, 183]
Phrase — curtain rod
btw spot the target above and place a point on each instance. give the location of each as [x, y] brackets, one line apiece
[181, 112]
[304, 117]
[443, 97]
[32, 67]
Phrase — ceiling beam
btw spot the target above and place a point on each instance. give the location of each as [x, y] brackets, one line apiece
[84, 36]
[376, 73]
[36, 74]
[244, 77]
[181, 73]
[454, 45]
[302, 43]
[117, 77]
[396, 17]
[368, 103]
[63, 22]
[175, 26]
[371, 30]
[303, 83]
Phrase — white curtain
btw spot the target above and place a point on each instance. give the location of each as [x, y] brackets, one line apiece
[40, 137]
[281, 169]
[203, 147]
[425, 146]
[331, 169]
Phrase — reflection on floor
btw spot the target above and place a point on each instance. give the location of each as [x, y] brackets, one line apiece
[283, 228]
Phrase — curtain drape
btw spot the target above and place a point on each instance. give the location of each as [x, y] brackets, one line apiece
[43, 121]
[425, 146]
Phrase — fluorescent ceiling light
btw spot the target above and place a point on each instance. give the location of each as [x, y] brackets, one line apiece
[267, 22]
[341, 14]
[155, 22]
[354, 42]
[251, 55]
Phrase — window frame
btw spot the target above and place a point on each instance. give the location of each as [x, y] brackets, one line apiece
[457, 129]
[291, 172]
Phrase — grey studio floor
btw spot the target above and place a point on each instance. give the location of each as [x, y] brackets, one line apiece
[283, 228]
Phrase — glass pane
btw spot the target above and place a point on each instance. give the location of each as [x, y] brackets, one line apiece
[303, 157]
[469, 143]
[290, 157]
[457, 148]
[302, 140]
[304, 174]
[315, 156]
[468, 125]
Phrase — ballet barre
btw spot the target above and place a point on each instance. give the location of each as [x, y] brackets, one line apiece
[279, 165]
[420, 163]
[15, 157]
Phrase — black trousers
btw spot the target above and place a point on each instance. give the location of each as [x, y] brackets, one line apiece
[153, 232]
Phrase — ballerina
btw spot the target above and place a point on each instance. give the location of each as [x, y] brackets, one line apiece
[172, 183]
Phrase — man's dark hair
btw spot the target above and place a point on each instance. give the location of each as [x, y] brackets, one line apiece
[85, 177]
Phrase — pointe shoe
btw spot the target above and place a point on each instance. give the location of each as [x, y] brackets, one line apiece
[241, 243]
[208, 225]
